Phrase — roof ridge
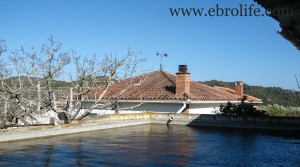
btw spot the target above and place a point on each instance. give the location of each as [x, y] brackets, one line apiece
[165, 75]
[146, 74]
[160, 85]
[138, 76]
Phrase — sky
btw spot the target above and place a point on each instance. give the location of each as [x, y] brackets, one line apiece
[226, 48]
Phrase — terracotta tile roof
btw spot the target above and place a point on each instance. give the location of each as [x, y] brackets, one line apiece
[248, 97]
[160, 85]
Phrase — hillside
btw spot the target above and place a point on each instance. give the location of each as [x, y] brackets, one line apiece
[269, 95]
[55, 83]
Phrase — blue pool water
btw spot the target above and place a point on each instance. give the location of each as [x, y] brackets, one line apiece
[157, 145]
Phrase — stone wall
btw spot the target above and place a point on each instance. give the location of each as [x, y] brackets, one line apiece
[123, 120]
[268, 123]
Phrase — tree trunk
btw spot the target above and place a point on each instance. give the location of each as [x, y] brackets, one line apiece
[39, 99]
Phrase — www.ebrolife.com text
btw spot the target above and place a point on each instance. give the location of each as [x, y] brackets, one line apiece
[239, 10]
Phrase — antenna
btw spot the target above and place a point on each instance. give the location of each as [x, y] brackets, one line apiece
[159, 54]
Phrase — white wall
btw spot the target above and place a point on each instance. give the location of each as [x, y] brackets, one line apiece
[152, 107]
[102, 112]
[203, 108]
[160, 107]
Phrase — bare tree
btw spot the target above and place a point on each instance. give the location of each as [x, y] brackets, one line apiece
[98, 74]
[12, 103]
[48, 64]
[85, 78]
[27, 77]
[27, 97]
[3, 96]
[297, 93]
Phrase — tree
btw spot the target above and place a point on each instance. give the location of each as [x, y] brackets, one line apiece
[27, 77]
[27, 98]
[48, 65]
[3, 96]
[297, 93]
[13, 105]
[92, 73]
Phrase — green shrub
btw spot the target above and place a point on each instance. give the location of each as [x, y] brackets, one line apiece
[242, 109]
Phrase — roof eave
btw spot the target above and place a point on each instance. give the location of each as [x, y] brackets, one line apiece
[188, 101]
[254, 102]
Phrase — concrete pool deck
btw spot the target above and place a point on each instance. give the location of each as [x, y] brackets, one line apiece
[123, 120]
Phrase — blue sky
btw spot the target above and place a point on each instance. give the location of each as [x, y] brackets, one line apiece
[222, 48]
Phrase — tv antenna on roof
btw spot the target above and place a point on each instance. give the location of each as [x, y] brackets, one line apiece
[159, 54]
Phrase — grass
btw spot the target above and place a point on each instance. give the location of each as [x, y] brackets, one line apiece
[278, 110]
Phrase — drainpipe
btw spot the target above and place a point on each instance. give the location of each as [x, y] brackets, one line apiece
[182, 108]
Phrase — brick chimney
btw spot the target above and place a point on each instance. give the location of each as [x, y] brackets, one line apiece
[239, 88]
[182, 80]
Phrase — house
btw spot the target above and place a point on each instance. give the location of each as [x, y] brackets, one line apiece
[239, 90]
[160, 91]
